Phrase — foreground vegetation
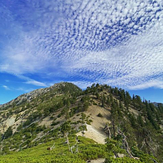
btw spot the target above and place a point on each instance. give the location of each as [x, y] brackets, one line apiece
[86, 149]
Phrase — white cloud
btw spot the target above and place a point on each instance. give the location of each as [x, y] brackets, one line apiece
[34, 82]
[6, 87]
[148, 84]
[128, 65]
[113, 42]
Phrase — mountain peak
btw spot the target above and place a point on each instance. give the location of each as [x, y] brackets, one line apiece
[62, 87]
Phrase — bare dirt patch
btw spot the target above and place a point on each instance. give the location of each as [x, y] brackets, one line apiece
[94, 134]
[95, 131]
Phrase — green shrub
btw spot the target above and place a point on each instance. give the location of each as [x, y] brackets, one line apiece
[99, 115]
[8, 133]
[122, 160]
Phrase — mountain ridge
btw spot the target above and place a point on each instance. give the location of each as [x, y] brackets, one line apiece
[63, 108]
[34, 93]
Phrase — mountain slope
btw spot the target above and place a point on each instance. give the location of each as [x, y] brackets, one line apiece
[134, 128]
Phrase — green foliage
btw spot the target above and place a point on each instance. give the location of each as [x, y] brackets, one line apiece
[73, 111]
[92, 151]
[85, 106]
[8, 133]
[122, 160]
[54, 123]
[99, 115]
[140, 120]
[143, 156]
[132, 120]
[114, 146]
[60, 154]
[65, 128]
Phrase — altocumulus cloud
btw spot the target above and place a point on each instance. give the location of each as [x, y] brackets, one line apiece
[115, 42]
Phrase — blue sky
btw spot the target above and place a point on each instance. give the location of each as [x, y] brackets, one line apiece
[116, 42]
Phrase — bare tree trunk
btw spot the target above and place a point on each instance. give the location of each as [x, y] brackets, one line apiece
[77, 141]
[125, 143]
[71, 149]
[75, 146]
[77, 151]
[107, 131]
[67, 141]
[113, 124]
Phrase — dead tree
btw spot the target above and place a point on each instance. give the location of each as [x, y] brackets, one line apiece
[107, 131]
[125, 143]
[75, 146]
[67, 140]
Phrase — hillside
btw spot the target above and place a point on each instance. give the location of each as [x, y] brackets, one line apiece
[121, 127]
